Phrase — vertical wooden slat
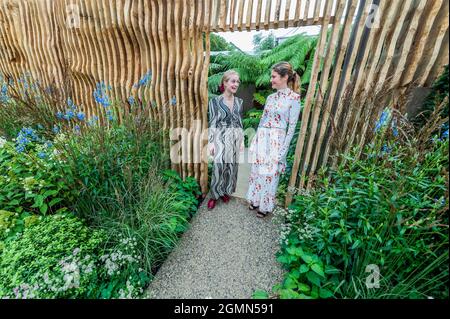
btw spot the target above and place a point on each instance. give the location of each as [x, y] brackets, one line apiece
[298, 5]
[223, 15]
[361, 76]
[286, 13]
[178, 63]
[337, 72]
[258, 15]
[204, 103]
[373, 74]
[267, 15]
[416, 54]
[332, 46]
[240, 14]
[327, 57]
[276, 21]
[306, 13]
[232, 14]
[412, 30]
[307, 104]
[438, 43]
[317, 9]
[248, 22]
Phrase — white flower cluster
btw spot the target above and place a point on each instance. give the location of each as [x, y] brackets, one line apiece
[72, 268]
[75, 266]
[289, 218]
[25, 291]
[129, 292]
[283, 217]
[117, 259]
[2, 142]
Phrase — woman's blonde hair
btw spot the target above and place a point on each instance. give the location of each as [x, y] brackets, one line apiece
[285, 68]
[225, 77]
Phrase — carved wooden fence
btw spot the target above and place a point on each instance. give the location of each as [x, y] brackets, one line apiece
[117, 42]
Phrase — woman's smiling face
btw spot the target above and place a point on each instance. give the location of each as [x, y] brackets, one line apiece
[232, 84]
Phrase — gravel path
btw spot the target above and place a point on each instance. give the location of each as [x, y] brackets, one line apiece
[227, 253]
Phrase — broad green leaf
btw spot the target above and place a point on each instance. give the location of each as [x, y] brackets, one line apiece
[318, 269]
[325, 293]
[304, 287]
[313, 278]
[303, 268]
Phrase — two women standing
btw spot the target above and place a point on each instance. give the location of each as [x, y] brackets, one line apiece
[268, 148]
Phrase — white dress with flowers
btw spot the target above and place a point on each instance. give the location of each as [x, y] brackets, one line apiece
[269, 147]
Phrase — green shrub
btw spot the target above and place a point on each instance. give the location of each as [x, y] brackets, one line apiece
[30, 266]
[33, 179]
[389, 209]
[60, 257]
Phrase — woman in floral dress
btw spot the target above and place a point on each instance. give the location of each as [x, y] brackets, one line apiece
[225, 138]
[270, 145]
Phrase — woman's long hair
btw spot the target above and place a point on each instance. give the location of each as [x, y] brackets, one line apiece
[285, 68]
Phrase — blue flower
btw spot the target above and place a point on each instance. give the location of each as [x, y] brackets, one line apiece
[48, 144]
[20, 148]
[71, 104]
[131, 100]
[174, 100]
[109, 115]
[145, 79]
[25, 136]
[3, 92]
[77, 128]
[394, 128]
[382, 121]
[445, 134]
[42, 155]
[56, 129]
[59, 115]
[386, 149]
[100, 95]
[69, 115]
[81, 116]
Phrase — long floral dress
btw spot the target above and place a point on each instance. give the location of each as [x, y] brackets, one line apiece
[226, 134]
[269, 147]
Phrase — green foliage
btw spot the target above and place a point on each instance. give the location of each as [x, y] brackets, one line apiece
[108, 161]
[60, 257]
[263, 43]
[218, 43]
[390, 209]
[251, 121]
[308, 277]
[35, 180]
[255, 69]
[25, 103]
[30, 265]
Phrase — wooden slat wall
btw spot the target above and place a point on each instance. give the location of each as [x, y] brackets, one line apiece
[408, 48]
[268, 14]
[119, 41]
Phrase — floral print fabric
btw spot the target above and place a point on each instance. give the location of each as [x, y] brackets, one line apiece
[269, 147]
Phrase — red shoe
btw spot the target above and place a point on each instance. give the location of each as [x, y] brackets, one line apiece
[211, 204]
[226, 198]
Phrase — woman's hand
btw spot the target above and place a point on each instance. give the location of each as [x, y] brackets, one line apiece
[211, 149]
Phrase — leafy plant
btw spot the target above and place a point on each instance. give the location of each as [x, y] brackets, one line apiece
[33, 179]
[389, 209]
